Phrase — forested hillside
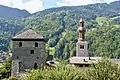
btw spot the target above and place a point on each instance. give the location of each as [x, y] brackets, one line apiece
[12, 13]
[59, 27]
[104, 40]
[7, 31]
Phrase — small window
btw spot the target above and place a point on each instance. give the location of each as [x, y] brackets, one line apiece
[20, 44]
[32, 52]
[36, 44]
[35, 66]
[17, 57]
[81, 46]
[37, 57]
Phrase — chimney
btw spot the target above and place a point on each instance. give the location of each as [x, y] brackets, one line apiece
[85, 60]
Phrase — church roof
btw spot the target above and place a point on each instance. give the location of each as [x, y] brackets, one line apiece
[117, 61]
[28, 34]
[89, 60]
[84, 60]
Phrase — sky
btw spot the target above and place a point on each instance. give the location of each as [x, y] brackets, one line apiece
[37, 5]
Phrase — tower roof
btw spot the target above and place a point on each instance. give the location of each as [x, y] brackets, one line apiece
[28, 34]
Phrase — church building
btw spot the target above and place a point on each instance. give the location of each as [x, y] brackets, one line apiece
[29, 52]
[82, 57]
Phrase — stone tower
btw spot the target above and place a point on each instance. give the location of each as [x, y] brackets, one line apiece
[81, 45]
[29, 52]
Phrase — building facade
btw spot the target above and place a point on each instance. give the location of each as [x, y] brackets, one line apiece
[29, 51]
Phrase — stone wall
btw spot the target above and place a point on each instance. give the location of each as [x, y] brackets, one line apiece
[23, 54]
[15, 67]
[82, 52]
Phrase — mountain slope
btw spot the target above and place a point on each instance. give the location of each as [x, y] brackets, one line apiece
[7, 31]
[12, 13]
[115, 4]
[59, 26]
[88, 11]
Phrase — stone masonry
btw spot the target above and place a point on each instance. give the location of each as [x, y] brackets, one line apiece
[29, 52]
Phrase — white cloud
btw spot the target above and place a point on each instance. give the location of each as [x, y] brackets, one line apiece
[37, 5]
[80, 2]
[30, 5]
[5, 2]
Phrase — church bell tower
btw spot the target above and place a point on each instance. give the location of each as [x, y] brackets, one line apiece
[81, 45]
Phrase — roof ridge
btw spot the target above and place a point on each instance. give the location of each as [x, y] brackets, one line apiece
[29, 34]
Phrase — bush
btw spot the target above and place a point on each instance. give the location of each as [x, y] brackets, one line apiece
[36, 75]
[5, 70]
[104, 70]
[65, 73]
[60, 73]
[12, 78]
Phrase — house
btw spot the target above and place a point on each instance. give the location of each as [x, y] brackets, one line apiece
[29, 52]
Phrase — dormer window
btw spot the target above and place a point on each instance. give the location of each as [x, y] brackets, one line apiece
[20, 44]
[36, 44]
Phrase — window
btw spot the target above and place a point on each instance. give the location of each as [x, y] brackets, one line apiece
[17, 57]
[36, 44]
[35, 66]
[32, 52]
[20, 44]
[81, 46]
[37, 57]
